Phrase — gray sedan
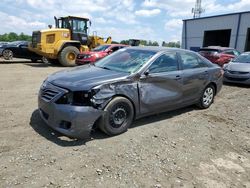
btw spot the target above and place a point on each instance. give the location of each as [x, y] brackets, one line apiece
[238, 70]
[129, 84]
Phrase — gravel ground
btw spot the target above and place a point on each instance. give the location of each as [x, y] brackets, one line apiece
[185, 148]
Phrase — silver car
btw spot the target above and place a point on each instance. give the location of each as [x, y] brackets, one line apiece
[238, 70]
[129, 84]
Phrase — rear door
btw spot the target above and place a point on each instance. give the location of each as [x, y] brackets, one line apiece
[195, 76]
[160, 88]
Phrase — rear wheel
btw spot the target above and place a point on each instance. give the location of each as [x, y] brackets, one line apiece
[68, 55]
[7, 54]
[45, 60]
[118, 116]
[207, 97]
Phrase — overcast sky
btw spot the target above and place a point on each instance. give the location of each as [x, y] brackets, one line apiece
[122, 19]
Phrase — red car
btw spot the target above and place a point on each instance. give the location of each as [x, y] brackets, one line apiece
[219, 55]
[97, 53]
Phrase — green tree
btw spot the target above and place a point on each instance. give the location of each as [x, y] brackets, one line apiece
[155, 43]
[9, 37]
[172, 44]
[125, 42]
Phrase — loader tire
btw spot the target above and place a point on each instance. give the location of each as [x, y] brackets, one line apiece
[68, 55]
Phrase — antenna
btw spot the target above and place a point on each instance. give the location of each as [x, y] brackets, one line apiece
[198, 9]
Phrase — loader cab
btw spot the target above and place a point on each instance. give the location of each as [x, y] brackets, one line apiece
[78, 27]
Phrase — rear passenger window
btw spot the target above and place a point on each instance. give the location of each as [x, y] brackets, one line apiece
[115, 48]
[192, 61]
[164, 63]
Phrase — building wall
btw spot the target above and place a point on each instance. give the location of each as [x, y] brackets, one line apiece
[244, 25]
[195, 29]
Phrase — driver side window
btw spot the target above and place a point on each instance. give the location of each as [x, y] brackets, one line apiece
[164, 63]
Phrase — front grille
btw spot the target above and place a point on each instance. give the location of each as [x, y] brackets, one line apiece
[83, 56]
[49, 94]
[36, 38]
[238, 72]
[236, 79]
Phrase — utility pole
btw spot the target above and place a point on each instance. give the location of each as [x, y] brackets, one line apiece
[198, 9]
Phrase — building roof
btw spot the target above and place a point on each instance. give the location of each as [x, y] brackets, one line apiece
[230, 14]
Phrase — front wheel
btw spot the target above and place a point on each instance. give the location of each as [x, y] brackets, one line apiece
[7, 54]
[45, 60]
[207, 97]
[118, 116]
[67, 56]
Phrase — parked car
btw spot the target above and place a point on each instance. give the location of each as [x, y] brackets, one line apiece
[238, 70]
[129, 84]
[219, 55]
[19, 49]
[2, 43]
[97, 53]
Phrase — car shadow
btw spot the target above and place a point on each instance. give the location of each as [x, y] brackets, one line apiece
[44, 130]
[236, 85]
[42, 65]
[14, 62]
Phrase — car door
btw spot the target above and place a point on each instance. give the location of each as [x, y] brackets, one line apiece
[195, 76]
[23, 50]
[160, 87]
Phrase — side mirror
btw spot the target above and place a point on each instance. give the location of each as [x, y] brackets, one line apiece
[146, 73]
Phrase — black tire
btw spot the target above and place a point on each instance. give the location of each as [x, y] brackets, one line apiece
[7, 54]
[207, 97]
[118, 116]
[67, 56]
[34, 60]
[45, 60]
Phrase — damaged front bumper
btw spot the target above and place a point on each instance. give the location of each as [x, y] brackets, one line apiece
[72, 121]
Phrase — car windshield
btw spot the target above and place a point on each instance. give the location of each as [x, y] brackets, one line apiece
[243, 58]
[100, 48]
[126, 60]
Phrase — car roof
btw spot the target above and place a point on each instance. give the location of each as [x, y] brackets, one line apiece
[158, 48]
[217, 48]
[248, 53]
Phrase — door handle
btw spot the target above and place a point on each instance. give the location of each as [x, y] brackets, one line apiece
[178, 77]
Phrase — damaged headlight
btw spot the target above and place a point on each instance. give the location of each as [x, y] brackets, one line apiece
[66, 99]
[76, 98]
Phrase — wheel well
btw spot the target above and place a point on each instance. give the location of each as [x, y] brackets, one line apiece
[95, 125]
[214, 85]
[77, 45]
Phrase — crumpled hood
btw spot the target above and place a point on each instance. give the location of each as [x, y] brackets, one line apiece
[84, 77]
[241, 67]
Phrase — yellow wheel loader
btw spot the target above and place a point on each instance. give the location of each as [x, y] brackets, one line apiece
[68, 38]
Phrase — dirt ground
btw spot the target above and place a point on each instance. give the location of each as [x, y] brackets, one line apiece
[185, 148]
